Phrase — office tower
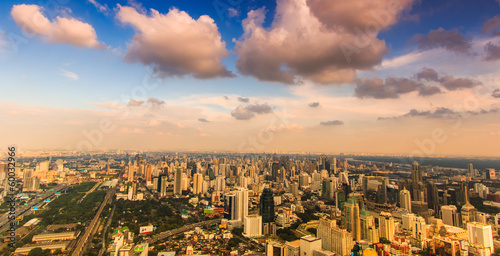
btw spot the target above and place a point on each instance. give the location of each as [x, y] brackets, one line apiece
[230, 206]
[197, 183]
[274, 248]
[242, 203]
[490, 174]
[308, 244]
[416, 174]
[304, 180]
[178, 181]
[367, 225]
[334, 165]
[408, 221]
[220, 183]
[471, 170]
[149, 170]
[417, 185]
[419, 229]
[292, 248]
[267, 206]
[294, 189]
[131, 170]
[480, 239]
[329, 188]
[468, 211]
[405, 200]
[164, 184]
[184, 182]
[334, 238]
[450, 215]
[386, 226]
[252, 226]
[352, 224]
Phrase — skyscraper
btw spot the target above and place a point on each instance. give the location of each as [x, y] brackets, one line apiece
[177, 181]
[197, 183]
[267, 206]
[450, 215]
[367, 226]
[468, 211]
[334, 238]
[405, 199]
[230, 206]
[242, 203]
[352, 223]
[386, 226]
[480, 239]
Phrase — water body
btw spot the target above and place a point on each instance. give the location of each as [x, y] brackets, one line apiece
[452, 162]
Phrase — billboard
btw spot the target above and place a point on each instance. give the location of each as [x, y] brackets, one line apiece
[146, 230]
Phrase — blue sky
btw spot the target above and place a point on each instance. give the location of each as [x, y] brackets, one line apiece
[291, 60]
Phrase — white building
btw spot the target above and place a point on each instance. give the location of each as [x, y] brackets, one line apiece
[253, 226]
[308, 244]
[480, 239]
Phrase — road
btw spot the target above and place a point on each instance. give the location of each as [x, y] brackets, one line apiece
[105, 231]
[173, 232]
[89, 232]
[90, 191]
[23, 210]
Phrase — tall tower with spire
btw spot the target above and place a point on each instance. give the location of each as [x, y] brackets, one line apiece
[468, 211]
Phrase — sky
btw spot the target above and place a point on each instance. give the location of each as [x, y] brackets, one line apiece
[416, 77]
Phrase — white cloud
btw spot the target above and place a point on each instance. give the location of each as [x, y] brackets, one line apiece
[70, 75]
[101, 8]
[305, 40]
[66, 30]
[175, 44]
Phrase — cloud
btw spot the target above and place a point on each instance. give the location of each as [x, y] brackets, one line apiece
[248, 112]
[244, 100]
[175, 44]
[155, 101]
[232, 12]
[331, 123]
[303, 43]
[60, 30]
[492, 52]
[68, 74]
[203, 120]
[260, 108]
[314, 104]
[452, 83]
[101, 8]
[242, 113]
[428, 74]
[135, 103]
[496, 93]
[357, 14]
[450, 40]
[491, 26]
[392, 88]
[440, 113]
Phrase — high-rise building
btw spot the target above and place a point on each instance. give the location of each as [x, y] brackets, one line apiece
[230, 206]
[352, 223]
[471, 170]
[308, 244]
[386, 226]
[450, 215]
[178, 181]
[480, 239]
[242, 203]
[131, 171]
[468, 211]
[267, 206]
[197, 183]
[334, 238]
[252, 226]
[405, 199]
[367, 223]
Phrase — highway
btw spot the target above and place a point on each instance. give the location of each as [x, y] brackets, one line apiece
[173, 232]
[22, 210]
[89, 232]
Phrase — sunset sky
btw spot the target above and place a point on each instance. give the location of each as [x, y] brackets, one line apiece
[368, 76]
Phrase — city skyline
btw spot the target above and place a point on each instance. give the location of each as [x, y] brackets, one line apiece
[401, 77]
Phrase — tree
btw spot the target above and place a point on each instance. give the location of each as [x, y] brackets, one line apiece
[36, 252]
